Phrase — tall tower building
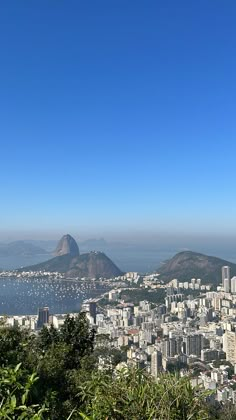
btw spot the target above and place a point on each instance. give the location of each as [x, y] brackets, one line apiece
[226, 278]
[226, 285]
[233, 284]
[156, 363]
[43, 317]
[90, 306]
[229, 346]
[173, 347]
[193, 344]
[165, 347]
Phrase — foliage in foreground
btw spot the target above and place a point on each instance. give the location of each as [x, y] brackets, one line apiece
[14, 395]
[56, 357]
[132, 394]
[57, 377]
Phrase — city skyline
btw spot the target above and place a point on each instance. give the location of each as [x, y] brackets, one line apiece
[116, 118]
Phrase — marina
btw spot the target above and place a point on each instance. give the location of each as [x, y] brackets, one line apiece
[19, 295]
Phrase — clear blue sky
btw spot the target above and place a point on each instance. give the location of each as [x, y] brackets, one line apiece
[118, 116]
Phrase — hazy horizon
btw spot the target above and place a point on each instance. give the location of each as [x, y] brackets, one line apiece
[219, 245]
[126, 237]
[139, 254]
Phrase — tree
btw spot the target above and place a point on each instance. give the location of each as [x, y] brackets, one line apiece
[47, 337]
[15, 393]
[62, 356]
[76, 333]
[13, 345]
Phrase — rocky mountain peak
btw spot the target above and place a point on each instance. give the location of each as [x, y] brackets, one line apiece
[67, 245]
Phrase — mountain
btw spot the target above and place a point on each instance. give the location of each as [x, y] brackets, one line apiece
[186, 265]
[20, 248]
[91, 265]
[69, 261]
[67, 245]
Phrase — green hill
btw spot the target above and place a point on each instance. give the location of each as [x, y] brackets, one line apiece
[91, 265]
[186, 265]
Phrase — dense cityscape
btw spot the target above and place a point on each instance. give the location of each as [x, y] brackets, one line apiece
[192, 331]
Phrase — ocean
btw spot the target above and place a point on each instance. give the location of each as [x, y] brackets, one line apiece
[25, 296]
[19, 296]
[22, 296]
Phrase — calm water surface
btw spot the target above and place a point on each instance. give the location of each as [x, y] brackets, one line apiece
[25, 296]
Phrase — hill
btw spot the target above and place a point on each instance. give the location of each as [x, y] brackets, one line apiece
[186, 265]
[20, 248]
[91, 265]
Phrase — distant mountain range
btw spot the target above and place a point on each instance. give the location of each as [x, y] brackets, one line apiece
[186, 265]
[183, 266]
[20, 248]
[69, 261]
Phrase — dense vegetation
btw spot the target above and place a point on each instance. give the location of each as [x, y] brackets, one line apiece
[136, 295]
[56, 375]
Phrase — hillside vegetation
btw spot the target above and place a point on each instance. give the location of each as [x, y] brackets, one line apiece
[56, 376]
[185, 265]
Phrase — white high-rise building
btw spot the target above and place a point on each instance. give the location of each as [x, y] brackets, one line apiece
[156, 363]
[226, 278]
[226, 285]
[229, 346]
[233, 284]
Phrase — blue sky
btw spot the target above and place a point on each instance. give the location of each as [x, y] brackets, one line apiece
[117, 116]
